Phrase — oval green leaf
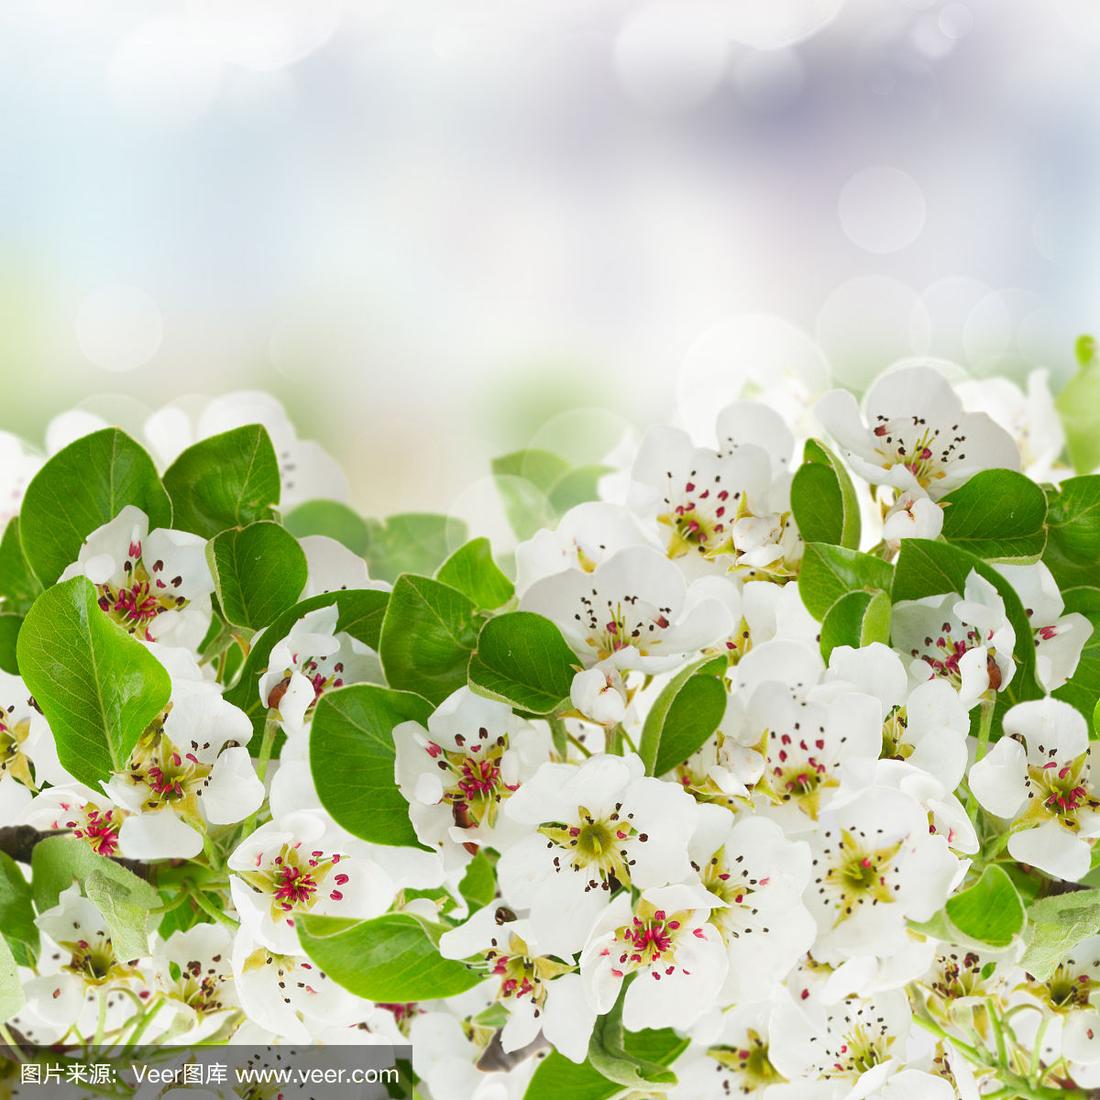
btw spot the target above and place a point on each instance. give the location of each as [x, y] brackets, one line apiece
[227, 480]
[19, 587]
[80, 489]
[856, 619]
[259, 571]
[998, 515]
[331, 518]
[428, 634]
[1055, 926]
[688, 710]
[392, 959]
[989, 911]
[1073, 531]
[471, 570]
[824, 500]
[557, 1078]
[829, 572]
[17, 912]
[10, 625]
[99, 690]
[351, 755]
[412, 542]
[522, 659]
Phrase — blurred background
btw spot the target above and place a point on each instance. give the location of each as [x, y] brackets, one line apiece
[438, 230]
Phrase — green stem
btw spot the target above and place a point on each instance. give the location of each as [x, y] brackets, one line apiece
[1015, 1088]
[998, 1032]
[271, 729]
[208, 907]
[560, 736]
[970, 1053]
[169, 906]
[144, 1022]
[985, 725]
[213, 853]
[101, 1019]
[577, 744]
[1037, 1050]
[614, 740]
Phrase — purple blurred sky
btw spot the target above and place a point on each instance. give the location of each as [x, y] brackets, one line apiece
[429, 227]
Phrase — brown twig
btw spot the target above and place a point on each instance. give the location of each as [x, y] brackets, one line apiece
[19, 842]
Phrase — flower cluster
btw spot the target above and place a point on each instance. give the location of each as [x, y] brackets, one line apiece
[758, 766]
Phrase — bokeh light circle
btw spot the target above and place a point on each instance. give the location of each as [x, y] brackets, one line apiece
[773, 24]
[582, 436]
[119, 328]
[265, 34]
[162, 72]
[869, 322]
[756, 355]
[670, 56]
[881, 209]
[950, 301]
[1009, 331]
[956, 20]
[480, 506]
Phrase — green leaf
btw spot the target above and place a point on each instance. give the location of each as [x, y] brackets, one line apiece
[11, 988]
[581, 484]
[471, 570]
[856, 619]
[479, 884]
[998, 515]
[926, 568]
[1078, 405]
[361, 611]
[17, 912]
[541, 468]
[227, 480]
[10, 625]
[98, 687]
[608, 1056]
[824, 500]
[557, 1078]
[688, 710]
[80, 489]
[126, 912]
[1055, 926]
[428, 634]
[1073, 531]
[1083, 687]
[413, 542]
[522, 659]
[259, 571]
[829, 572]
[19, 587]
[392, 959]
[351, 755]
[989, 911]
[525, 480]
[59, 861]
[331, 518]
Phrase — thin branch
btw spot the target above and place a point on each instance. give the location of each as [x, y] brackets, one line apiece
[19, 841]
